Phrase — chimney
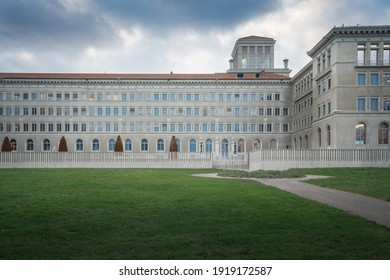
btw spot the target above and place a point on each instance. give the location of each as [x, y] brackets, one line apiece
[285, 61]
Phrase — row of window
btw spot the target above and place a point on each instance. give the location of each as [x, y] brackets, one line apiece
[361, 134]
[160, 145]
[144, 127]
[141, 111]
[59, 96]
[373, 104]
[373, 54]
[373, 79]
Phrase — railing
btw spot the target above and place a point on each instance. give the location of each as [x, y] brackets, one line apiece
[262, 159]
[104, 160]
[373, 63]
[286, 159]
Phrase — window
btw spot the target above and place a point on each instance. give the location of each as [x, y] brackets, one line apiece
[30, 145]
[374, 79]
[46, 145]
[95, 145]
[361, 54]
[128, 145]
[319, 137]
[328, 135]
[361, 104]
[111, 145]
[209, 146]
[144, 145]
[257, 144]
[386, 79]
[160, 145]
[192, 146]
[386, 103]
[383, 133]
[13, 145]
[374, 103]
[273, 144]
[361, 79]
[360, 134]
[79, 145]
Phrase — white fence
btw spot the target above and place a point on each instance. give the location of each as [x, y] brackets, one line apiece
[104, 160]
[262, 159]
[286, 159]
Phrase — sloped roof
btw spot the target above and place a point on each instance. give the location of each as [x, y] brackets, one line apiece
[105, 76]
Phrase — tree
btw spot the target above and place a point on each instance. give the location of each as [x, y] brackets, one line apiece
[63, 146]
[118, 144]
[6, 147]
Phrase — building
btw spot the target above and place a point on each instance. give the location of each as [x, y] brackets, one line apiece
[341, 99]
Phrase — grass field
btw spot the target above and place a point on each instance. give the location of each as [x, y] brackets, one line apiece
[169, 214]
[374, 182]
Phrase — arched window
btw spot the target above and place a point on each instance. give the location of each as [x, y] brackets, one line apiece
[241, 146]
[257, 144]
[273, 144]
[306, 142]
[160, 145]
[209, 146]
[360, 134]
[111, 144]
[319, 137]
[383, 133]
[225, 147]
[95, 145]
[46, 145]
[178, 144]
[14, 145]
[144, 145]
[30, 145]
[79, 145]
[128, 145]
[328, 135]
[300, 142]
[192, 146]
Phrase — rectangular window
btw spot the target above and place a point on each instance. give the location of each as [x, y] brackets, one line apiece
[374, 103]
[386, 79]
[386, 103]
[361, 79]
[108, 111]
[100, 111]
[374, 79]
[361, 104]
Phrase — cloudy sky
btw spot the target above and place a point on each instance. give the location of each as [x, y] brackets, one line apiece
[159, 36]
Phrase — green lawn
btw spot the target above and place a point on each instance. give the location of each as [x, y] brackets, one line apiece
[169, 214]
[374, 182]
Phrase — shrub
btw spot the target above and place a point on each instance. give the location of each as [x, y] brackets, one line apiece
[290, 173]
[6, 147]
[63, 147]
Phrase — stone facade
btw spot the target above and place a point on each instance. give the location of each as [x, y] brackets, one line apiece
[341, 99]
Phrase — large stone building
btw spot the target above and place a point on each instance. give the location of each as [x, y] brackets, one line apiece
[341, 99]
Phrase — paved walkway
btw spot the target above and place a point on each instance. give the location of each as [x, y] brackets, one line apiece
[367, 207]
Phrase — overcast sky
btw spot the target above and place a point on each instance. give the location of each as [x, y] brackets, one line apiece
[159, 36]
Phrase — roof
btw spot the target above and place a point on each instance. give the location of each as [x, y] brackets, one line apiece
[105, 76]
[254, 37]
